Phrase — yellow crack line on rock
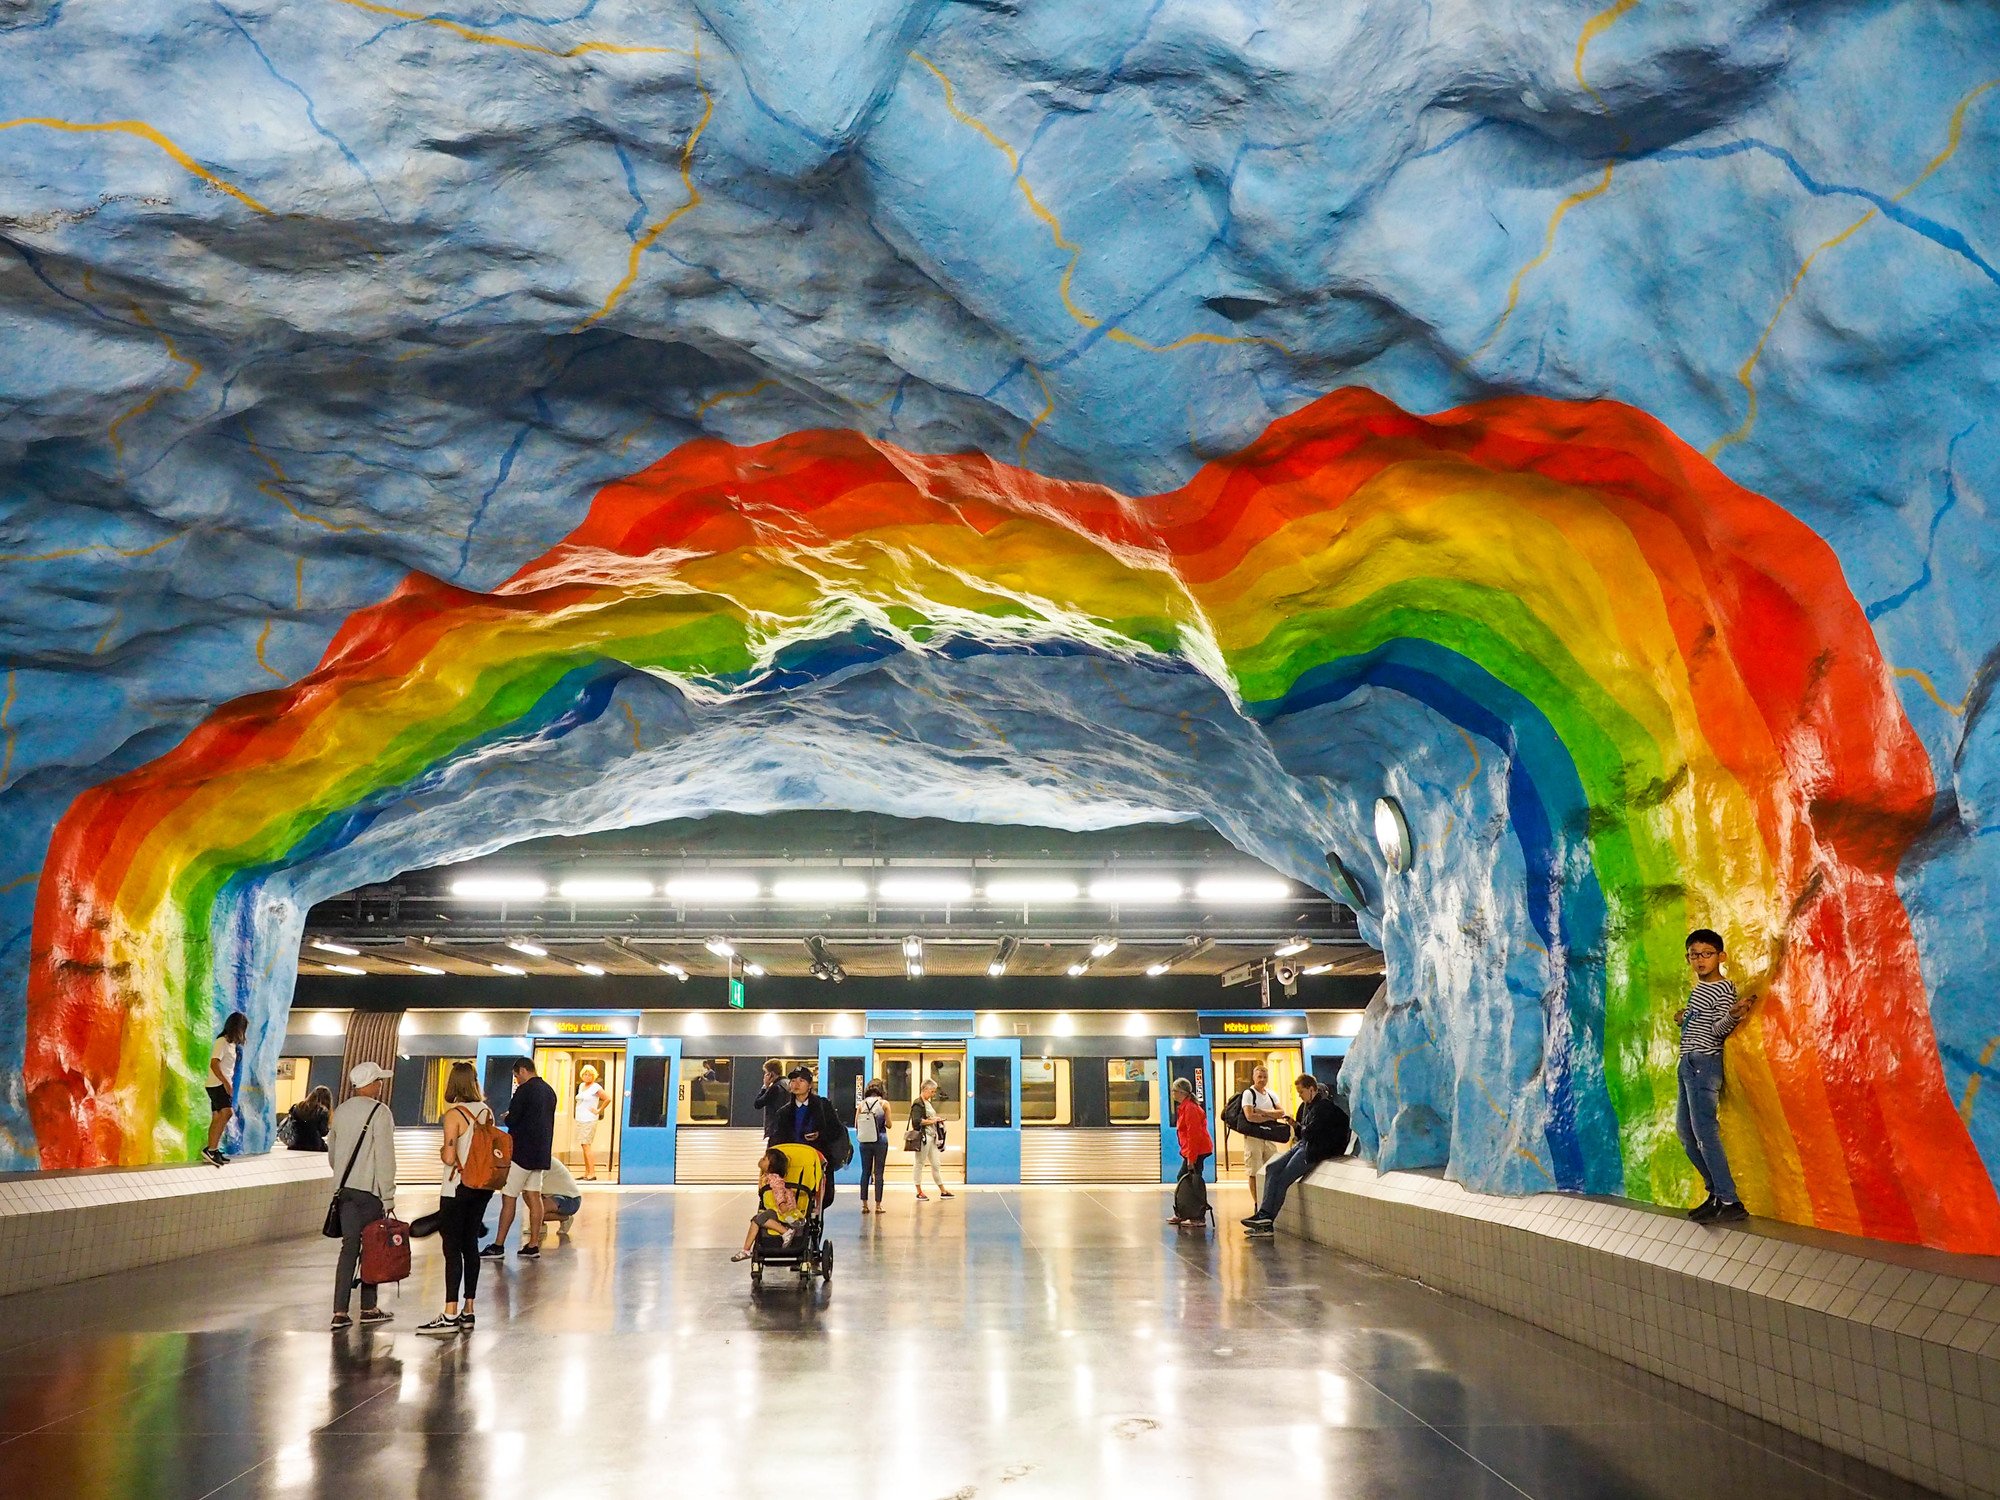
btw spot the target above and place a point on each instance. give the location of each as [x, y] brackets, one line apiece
[1595, 27]
[144, 132]
[1954, 135]
[104, 640]
[645, 241]
[1063, 242]
[1048, 409]
[299, 586]
[1922, 679]
[721, 396]
[494, 39]
[194, 369]
[272, 490]
[633, 719]
[18, 881]
[1972, 1087]
[92, 548]
[263, 638]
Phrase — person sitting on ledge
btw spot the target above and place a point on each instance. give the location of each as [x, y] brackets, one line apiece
[1322, 1129]
[1712, 1011]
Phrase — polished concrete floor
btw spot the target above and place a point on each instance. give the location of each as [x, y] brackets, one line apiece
[1011, 1343]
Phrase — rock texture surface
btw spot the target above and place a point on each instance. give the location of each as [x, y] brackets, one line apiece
[329, 324]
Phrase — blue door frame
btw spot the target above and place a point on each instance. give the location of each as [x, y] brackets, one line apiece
[993, 1152]
[846, 1048]
[649, 1148]
[1184, 1057]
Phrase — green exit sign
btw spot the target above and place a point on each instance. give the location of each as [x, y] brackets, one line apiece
[735, 993]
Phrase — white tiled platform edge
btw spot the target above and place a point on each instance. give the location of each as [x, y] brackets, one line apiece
[1880, 1352]
[74, 1225]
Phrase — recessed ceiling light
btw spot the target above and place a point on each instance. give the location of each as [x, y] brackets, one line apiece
[324, 1023]
[753, 969]
[1318, 969]
[499, 888]
[1104, 947]
[695, 1024]
[345, 969]
[472, 1023]
[1243, 890]
[721, 947]
[591, 969]
[676, 971]
[1154, 971]
[533, 950]
[422, 969]
[606, 888]
[1077, 971]
[325, 947]
[507, 969]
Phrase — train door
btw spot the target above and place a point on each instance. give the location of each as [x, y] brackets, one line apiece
[903, 1068]
[993, 1118]
[843, 1073]
[649, 1108]
[589, 1148]
[1183, 1057]
[494, 1057]
[1235, 1068]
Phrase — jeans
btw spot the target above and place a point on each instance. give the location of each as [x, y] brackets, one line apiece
[1696, 1117]
[1279, 1178]
[461, 1220]
[357, 1211]
[874, 1166]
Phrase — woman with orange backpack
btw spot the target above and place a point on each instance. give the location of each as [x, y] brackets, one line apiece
[461, 1208]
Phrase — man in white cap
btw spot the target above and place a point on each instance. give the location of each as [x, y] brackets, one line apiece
[361, 1148]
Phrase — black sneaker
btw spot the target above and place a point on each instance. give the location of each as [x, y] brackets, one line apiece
[376, 1315]
[1705, 1210]
[1728, 1213]
[444, 1325]
[530, 1252]
[493, 1251]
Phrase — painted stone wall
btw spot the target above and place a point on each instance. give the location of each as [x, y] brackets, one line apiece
[424, 429]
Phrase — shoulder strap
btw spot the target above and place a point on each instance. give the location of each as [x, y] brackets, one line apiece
[355, 1155]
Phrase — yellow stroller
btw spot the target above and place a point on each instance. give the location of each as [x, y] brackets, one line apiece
[807, 1247]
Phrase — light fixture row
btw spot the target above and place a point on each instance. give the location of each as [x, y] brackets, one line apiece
[718, 889]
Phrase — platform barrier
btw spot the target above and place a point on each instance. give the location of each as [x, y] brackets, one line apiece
[57, 1227]
[1886, 1353]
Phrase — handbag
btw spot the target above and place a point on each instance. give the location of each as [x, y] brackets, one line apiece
[913, 1140]
[385, 1251]
[331, 1228]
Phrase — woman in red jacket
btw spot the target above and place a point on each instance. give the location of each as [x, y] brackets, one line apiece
[1191, 1126]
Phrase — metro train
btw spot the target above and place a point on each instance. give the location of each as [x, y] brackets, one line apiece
[1027, 1096]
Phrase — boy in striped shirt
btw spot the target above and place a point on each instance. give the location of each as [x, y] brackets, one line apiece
[1713, 1008]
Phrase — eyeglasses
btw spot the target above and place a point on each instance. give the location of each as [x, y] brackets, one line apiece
[1694, 953]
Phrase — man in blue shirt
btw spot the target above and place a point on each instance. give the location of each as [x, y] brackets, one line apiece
[1712, 1011]
[531, 1122]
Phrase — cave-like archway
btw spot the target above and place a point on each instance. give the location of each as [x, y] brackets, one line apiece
[1618, 694]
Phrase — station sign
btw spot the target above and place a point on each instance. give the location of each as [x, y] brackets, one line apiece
[584, 1023]
[1224, 1024]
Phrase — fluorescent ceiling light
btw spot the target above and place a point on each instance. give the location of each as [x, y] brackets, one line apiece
[1243, 890]
[507, 969]
[606, 888]
[1136, 890]
[754, 970]
[325, 947]
[1154, 971]
[591, 969]
[500, 888]
[925, 890]
[809, 890]
[1104, 947]
[1077, 970]
[1291, 946]
[1318, 969]
[1029, 891]
[711, 890]
[721, 947]
[676, 971]
[533, 950]
[423, 969]
[345, 969]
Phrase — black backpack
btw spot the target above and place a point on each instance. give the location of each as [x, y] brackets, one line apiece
[1191, 1196]
[1232, 1114]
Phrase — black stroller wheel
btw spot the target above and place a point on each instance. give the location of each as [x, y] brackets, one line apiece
[826, 1259]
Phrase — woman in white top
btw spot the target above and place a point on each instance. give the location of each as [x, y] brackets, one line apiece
[221, 1082]
[589, 1109]
[461, 1209]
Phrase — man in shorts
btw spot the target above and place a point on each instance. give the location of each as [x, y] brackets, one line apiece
[1260, 1107]
[531, 1121]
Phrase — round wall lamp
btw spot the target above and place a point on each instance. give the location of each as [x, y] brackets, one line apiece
[1392, 834]
[1346, 887]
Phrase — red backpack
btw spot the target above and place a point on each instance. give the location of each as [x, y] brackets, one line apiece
[489, 1153]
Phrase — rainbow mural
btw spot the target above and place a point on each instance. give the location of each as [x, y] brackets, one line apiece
[1697, 723]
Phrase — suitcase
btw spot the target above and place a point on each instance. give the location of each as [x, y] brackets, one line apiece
[1191, 1197]
[385, 1251]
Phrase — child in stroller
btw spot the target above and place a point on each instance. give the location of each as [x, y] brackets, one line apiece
[787, 1228]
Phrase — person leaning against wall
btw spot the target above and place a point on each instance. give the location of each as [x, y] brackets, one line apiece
[1713, 1010]
[361, 1142]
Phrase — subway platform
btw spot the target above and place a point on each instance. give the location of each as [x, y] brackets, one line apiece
[1017, 1342]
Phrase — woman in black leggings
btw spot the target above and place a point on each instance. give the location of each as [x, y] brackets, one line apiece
[461, 1210]
[871, 1126]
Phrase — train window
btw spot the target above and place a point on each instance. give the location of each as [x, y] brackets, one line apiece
[704, 1091]
[993, 1092]
[1045, 1091]
[651, 1106]
[1134, 1087]
[904, 1069]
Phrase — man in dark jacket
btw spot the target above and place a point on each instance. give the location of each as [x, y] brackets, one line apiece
[774, 1098]
[1323, 1128]
[531, 1122]
[811, 1120]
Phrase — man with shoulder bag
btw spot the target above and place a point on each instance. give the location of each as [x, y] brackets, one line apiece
[1260, 1123]
[361, 1142]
